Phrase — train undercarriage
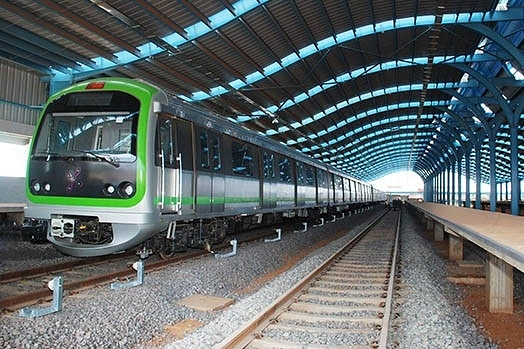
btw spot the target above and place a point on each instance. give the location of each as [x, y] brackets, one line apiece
[204, 233]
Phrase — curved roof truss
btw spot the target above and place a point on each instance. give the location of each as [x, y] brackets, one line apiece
[370, 88]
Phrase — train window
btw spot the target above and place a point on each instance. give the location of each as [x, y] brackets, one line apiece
[309, 175]
[321, 178]
[347, 189]
[242, 159]
[337, 182]
[284, 169]
[301, 178]
[61, 138]
[215, 149]
[204, 150]
[184, 146]
[269, 171]
[164, 147]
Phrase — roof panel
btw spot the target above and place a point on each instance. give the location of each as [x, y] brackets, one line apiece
[253, 61]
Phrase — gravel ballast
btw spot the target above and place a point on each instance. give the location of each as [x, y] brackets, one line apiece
[431, 314]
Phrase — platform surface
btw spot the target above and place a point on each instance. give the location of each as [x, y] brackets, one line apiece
[500, 234]
[12, 207]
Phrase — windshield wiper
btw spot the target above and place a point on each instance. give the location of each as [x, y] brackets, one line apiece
[107, 159]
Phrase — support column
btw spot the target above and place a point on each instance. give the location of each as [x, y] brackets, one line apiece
[499, 286]
[459, 181]
[456, 248]
[429, 223]
[478, 204]
[448, 186]
[492, 174]
[514, 165]
[442, 198]
[468, 179]
[453, 180]
[438, 231]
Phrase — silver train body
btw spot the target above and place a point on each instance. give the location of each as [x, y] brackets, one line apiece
[194, 178]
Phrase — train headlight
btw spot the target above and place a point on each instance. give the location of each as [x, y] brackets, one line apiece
[47, 187]
[109, 189]
[36, 186]
[126, 189]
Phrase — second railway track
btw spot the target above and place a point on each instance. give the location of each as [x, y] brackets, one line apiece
[27, 287]
[346, 302]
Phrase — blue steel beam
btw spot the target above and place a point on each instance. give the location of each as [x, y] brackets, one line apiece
[363, 138]
[27, 63]
[242, 7]
[372, 151]
[34, 52]
[50, 46]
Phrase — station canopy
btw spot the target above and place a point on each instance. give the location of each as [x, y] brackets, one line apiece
[371, 87]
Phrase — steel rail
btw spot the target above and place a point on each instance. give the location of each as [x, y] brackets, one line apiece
[241, 338]
[384, 333]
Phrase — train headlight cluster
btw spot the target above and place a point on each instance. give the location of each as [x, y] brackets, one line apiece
[124, 190]
[37, 187]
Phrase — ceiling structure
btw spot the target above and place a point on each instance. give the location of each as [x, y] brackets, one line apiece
[372, 87]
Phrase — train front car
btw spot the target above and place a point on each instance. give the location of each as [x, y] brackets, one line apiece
[87, 168]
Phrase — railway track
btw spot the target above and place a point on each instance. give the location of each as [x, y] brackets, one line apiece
[345, 302]
[28, 287]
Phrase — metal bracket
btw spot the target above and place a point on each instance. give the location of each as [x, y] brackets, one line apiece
[321, 222]
[139, 267]
[144, 253]
[229, 254]
[303, 230]
[57, 286]
[279, 236]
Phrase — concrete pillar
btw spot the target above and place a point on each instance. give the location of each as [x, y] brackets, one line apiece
[438, 231]
[499, 286]
[429, 223]
[456, 248]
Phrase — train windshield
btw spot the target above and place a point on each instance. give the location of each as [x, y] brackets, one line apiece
[93, 124]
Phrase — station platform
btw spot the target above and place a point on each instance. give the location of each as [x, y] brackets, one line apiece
[499, 234]
[12, 212]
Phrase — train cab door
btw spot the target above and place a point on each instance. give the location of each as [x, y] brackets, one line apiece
[175, 166]
[210, 181]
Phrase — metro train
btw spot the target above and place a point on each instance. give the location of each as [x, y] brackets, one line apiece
[117, 164]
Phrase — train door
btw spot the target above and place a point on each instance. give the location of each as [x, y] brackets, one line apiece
[322, 188]
[219, 182]
[285, 182]
[269, 185]
[210, 183]
[175, 162]
[347, 190]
